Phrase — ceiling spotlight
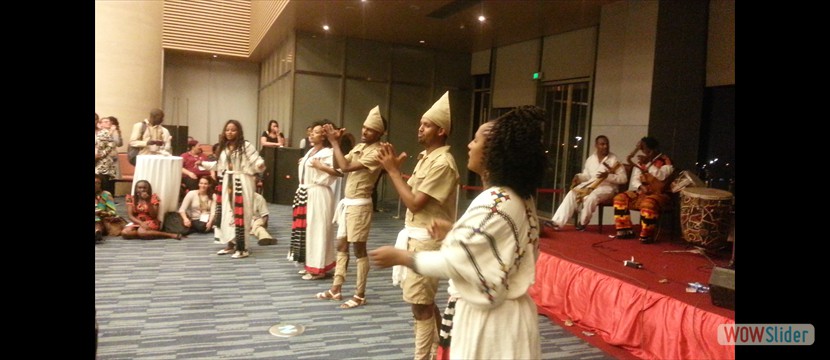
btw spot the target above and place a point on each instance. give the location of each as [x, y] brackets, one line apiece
[326, 27]
[422, 42]
[481, 18]
[215, 56]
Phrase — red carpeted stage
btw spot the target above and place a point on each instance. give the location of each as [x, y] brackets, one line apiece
[580, 277]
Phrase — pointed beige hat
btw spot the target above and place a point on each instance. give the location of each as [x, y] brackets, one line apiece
[439, 113]
[374, 121]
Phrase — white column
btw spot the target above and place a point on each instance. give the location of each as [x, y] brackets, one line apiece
[129, 60]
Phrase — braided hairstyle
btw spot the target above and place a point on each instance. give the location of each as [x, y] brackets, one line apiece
[326, 142]
[514, 154]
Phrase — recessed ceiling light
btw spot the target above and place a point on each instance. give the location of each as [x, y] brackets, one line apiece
[215, 56]
[481, 18]
[326, 27]
[422, 42]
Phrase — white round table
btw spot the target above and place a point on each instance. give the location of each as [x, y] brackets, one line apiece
[165, 176]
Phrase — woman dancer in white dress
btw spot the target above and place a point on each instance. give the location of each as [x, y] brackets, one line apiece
[312, 233]
[236, 167]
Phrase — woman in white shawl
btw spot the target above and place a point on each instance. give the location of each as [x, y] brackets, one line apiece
[237, 166]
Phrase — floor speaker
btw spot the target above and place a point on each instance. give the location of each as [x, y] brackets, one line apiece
[179, 141]
[722, 287]
[269, 154]
[285, 179]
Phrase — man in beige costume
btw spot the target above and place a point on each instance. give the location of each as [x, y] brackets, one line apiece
[354, 212]
[429, 195]
[259, 222]
[154, 139]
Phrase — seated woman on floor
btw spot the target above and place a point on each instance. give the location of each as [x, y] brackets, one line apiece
[104, 207]
[143, 209]
[198, 207]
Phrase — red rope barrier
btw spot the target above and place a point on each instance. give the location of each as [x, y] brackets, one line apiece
[541, 191]
[549, 191]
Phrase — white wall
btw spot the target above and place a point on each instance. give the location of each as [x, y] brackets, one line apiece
[203, 93]
[513, 84]
[623, 82]
[481, 62]
[625, 61]
[569, 55]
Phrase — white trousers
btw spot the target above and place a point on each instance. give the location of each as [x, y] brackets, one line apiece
[589, 205]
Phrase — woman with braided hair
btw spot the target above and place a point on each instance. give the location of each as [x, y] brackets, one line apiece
[490, 253]
[237, 165]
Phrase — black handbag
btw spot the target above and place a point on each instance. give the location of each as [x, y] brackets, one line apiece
[173, 223]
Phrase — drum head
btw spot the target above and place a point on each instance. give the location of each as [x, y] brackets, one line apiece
[706, 193]
[686, 179]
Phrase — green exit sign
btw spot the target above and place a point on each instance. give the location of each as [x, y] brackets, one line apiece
[538, 75]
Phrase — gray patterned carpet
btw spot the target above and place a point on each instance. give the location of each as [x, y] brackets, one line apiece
[168, 299]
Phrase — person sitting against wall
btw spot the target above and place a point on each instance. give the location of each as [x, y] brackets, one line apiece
[259, 225]
[142, 210]
[104, 208]
[198, 207]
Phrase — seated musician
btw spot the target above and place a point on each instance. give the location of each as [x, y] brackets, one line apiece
[646, 191]
[599, 181]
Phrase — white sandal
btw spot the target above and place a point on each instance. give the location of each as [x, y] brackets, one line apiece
[309, 276]
[352, 303]
[328, 295]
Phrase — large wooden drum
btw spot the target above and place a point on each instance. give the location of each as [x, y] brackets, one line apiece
[705, 216]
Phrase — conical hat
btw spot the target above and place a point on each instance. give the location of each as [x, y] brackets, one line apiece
[373, 120]
[439, 113]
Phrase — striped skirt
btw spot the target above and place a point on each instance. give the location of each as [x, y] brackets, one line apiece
[296, 251]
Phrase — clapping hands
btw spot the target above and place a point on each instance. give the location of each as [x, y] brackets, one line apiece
[390, 162]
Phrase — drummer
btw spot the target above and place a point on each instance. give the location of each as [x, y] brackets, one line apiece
[647, 190]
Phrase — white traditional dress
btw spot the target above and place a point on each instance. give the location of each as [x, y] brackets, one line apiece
[490, 258]
[604, 191]
[312, 232]
[237, 170]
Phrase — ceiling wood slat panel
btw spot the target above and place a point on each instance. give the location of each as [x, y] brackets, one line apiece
[263, 16]
[253, 28]
[208, 26]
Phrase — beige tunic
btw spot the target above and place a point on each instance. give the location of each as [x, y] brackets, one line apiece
[361, 183]
[437, 176]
